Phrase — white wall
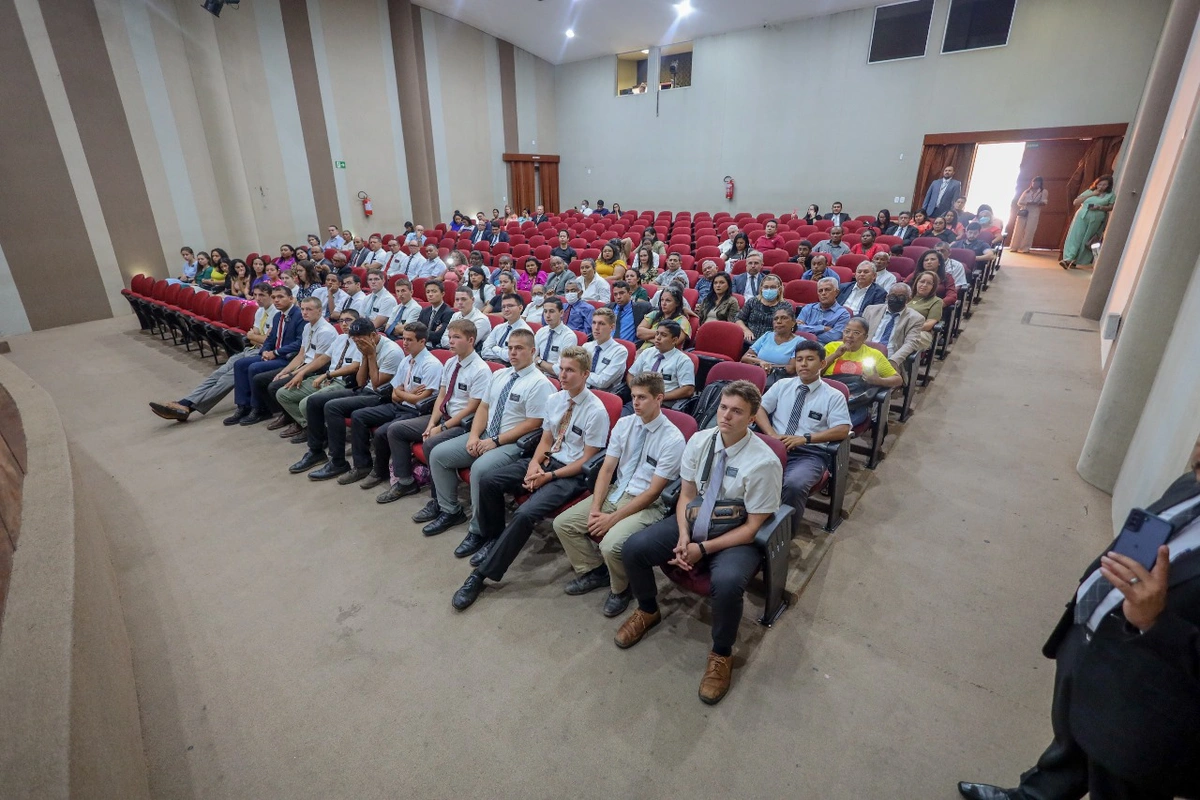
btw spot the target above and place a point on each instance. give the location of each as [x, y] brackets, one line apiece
[796, 115]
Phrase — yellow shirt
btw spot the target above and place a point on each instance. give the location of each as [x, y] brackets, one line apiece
[852, 363]
[605, 268]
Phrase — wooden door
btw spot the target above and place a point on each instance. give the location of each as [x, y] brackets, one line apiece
[1055, 160]
[522, 185]
[548, 184]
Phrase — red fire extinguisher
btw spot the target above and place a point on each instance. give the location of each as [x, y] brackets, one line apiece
[366, 201]
[728, 188]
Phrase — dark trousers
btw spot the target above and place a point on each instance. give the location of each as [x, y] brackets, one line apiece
[268, 395]
[730, 569]
[402, 435]
[326, 413]
[361, 423]
[261, 379]
[540, 505]
[1064, 771]
[804, 468]
[245, 370]
[314, 416]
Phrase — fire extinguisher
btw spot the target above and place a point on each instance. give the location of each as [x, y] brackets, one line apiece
[728, 188]
[366, 201]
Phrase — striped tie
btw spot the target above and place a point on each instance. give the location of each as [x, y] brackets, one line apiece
[797, 408]
[493, 428]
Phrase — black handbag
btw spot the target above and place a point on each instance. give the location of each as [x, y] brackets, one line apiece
[726, 514]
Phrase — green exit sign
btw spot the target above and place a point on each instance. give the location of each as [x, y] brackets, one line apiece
[340, 164]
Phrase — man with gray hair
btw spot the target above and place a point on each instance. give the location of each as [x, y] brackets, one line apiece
[556, 281]
[708, 271]
[895, 325]
[955, 267]
[824, 319]
[727, 245]
[883, 278]
[576, 312]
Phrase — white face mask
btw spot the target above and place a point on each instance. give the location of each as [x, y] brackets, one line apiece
[572, 297]
[538, 299]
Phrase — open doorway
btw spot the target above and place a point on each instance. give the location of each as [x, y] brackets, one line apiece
[994, 178]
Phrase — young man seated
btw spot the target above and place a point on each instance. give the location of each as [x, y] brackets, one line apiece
[552, 338]
[606, 355]
[283, 342]
[666, 359]
[435, 316]
[726, 463]
[533, 311]
[574, 428]
[313, 359]
[407, 310]
[462, 385]
[644, 453]
[342, 369]
[515, 405]
[800, 412]
[381, 303]
[464, 308]
[495, 348]
[333, 300]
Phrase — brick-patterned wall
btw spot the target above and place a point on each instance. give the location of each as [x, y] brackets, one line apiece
[12, 476]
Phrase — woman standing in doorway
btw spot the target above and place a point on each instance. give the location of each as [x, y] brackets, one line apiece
[1093, 205]
[1029, 208]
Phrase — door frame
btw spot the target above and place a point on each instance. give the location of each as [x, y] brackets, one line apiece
[1029, 134]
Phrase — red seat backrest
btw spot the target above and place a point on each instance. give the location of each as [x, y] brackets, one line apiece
[612, 404]
[904, 266]
[737, 371]
[787, 271]
[231, 310]
[803, 292]
[684, 422]
[718, 336]
[246, 316]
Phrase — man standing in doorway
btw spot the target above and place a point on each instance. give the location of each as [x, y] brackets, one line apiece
[941, 194]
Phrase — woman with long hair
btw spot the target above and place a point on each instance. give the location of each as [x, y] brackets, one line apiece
[921, 221]
[719, 303]
[1029, 210]
[952, 223]
[1088, 224]
[609, 261]
[883, 220]
[237, 281]
[531, 273]
[307, 279]
[926, 302]
[594, 288]
[740, 248]
[481, 289]
[812, 214]
[287, 258]
[670, 306]
[258, 271]
[935, 262]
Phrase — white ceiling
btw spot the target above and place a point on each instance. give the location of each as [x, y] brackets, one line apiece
[606, 27]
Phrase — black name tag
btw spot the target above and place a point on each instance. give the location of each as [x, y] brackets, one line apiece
[606, 361]
[578, 431]
[667, 376]
[652, 461]
[462, 387]
[554, 349]
[815, 415]
[514, 398]
[731, 472]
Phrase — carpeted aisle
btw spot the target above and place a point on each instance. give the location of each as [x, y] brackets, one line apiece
[294, 639]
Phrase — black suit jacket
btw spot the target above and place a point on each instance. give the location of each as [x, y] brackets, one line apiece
[640, 309]
[1134, 697]
[478, 235]
[538, 219]
[436, 323]
[838, 219]
[501, 236]
[876, 294]
[910, 233]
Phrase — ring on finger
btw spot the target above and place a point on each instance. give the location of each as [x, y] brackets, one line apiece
[1134, 579]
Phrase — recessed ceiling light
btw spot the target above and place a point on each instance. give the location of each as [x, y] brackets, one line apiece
[684, 8]
[645, 52]
[570, 33]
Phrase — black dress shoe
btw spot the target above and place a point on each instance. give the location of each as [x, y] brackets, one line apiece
[469, 592]
[444, 522]
[469, 545]
[589, 581]
[985, 791]
[371, 482]
[330, 470]
[354, 476]
[394, 493]
[254, 417]
[481, 555]
[300, 438]
[309, 461]
[237, 416]
[430, 511]
[616, 603]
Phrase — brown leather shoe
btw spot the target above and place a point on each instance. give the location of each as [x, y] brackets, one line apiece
[279, 422]
[635, 627]
[290, 431]
[717, 677]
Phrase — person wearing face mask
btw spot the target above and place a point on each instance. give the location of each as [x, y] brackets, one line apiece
[825, 318]
[533, 311]
[894, 325]
[990, 228]
[577, 313]
[758, 314]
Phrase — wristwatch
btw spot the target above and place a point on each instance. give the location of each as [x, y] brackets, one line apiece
[808, 438]
[496, 441]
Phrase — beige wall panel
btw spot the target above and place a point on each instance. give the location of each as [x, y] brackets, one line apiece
[543, 73]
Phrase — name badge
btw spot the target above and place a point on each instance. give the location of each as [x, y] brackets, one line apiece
[667, 376]
[606, 361]
[514, 398]
[575, 429]
[652, 461]
[554, 349]
[815, 415]
[462, 387]
[731, 472]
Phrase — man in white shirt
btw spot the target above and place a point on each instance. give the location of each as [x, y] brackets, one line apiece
[335, 239]
[608, 356]
[495, 348]
[730, 463]
[341, 367]
[666, 359]
[673, 272]
[413, 388]
[644, 453]
[956, 268]
[727, 245]
[396, 257]
[333, 299]
[463, 382]
[800, 412]
[432, 266]
[749, 283]
[574, 429]
[380, 303]
[537, 299]
[326, 412]
[312, 358]
[553, 337]
[360, 301]
[220, 381]
[376, 256]
[464, 308]
[884, 278]
[408, 264]
[407, 310]
[514, 406]
[585, 209]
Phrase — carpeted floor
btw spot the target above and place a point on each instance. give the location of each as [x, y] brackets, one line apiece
[293, 639]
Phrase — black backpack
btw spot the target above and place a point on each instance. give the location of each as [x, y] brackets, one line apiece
[706, 405]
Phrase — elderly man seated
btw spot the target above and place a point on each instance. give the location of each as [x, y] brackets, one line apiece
[895, 325]
[883, 277]
[577, 312]
[825, 318]
[861, 292]
[727, 245]
[954, 267]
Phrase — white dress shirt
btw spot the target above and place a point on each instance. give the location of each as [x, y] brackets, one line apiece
[375, 258]
[957, 271]
[381, 304]
[424, 370]
[660, 454]
[388, 356]
[588, 426]
[609, 369]
[525, 400]
[753, 473]
[496, 344]
[885, 280]
[483, 325]
[472, 383]
[316, 339]
[599, 290]
[342, 351]
[855, 300]
[361, 303]
[676, 368]
[824, 407]
[532, 313]
[263, 319]
[548, 343]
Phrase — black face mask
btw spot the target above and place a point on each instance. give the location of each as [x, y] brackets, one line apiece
[896, 303]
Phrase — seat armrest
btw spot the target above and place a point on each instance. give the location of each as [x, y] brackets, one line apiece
[591, 469]
[774, 533]
[670, 495]
[529, 442]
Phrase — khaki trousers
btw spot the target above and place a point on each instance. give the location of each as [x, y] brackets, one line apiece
[295, 401]
[585, 554]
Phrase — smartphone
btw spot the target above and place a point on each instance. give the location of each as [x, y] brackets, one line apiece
[1141, 537]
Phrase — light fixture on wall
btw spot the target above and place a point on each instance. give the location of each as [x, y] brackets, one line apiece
[684, 8]
[646, 52]
[570, 33]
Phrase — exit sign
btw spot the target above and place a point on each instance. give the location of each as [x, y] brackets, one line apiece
[340, 164]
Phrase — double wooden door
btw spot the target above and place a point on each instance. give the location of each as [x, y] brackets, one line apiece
[1055, 160]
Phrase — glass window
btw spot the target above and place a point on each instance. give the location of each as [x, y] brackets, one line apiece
[675, 66]
[901, 30]
[631, 72]
[973, 24]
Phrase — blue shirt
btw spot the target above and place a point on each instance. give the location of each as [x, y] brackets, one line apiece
[703, 287]
[814, 319]
[768, 350]
[626, 326]
[337, 243]
[579, 317]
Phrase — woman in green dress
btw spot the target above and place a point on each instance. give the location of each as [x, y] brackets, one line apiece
[1093, 205]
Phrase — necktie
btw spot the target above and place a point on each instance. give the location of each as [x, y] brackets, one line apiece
[412, 365]
[450, 391]
[596, 358]
[342, 357]
[563, 427]
[493, 428]
[885, 336]
[639, 444]
[388, 265]
[549, 342]
[279, 334]
[507, 330]
[657, 363]
[941, 192]
[712, 491]
[395, 321]
[797, 408]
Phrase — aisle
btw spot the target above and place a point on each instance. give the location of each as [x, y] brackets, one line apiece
[294, 639]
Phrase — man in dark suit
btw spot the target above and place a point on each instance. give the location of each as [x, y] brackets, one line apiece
[941, 194]
[541, 216]
[629, 312]
[436, 316]
[282, 342]
[904, 228]
[1126, 709]
[749, 282]
[861, 292]
[482, 232]
[497, 235]
[837, 216]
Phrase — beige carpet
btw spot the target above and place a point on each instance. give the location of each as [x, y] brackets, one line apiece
[294, 639]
